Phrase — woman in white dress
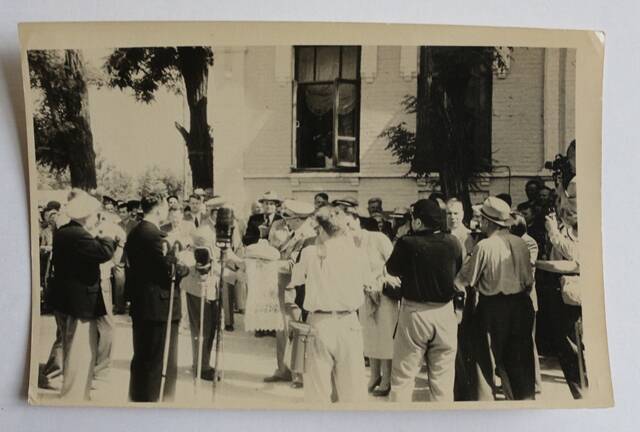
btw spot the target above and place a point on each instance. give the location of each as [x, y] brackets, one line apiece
[379, 313]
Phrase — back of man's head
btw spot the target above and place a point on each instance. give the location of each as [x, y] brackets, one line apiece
[429, 213]
[149, 202]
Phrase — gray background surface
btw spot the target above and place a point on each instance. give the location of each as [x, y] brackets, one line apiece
[621, 159]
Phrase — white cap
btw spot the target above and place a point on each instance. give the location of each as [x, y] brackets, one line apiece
[82, 205]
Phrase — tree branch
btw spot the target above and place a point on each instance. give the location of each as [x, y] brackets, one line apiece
[183, 132]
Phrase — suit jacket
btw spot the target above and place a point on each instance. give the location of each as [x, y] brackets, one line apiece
[370, 224]
[252, 235]
[76, 258]
[148, 277]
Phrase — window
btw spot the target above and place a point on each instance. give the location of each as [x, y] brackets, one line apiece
[326, 107]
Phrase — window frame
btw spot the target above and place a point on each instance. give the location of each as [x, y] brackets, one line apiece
[296, 85]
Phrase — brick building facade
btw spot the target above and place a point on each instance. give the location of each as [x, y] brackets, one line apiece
[252, 113]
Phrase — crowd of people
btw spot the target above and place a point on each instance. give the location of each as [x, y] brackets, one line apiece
[471, 297]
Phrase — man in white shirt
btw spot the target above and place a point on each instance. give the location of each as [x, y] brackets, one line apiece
[334, 274]
[455, 216]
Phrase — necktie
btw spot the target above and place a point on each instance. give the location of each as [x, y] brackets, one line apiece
[196, 222]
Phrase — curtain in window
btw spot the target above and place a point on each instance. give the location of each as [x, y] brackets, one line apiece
[319, 98]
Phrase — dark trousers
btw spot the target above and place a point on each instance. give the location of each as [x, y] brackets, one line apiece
[119, 302]
[474, 363]
[507, 321]
[210, 322]
[563, 321]
[146, 365]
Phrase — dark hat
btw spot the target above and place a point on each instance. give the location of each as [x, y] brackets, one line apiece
[52, 205]
[133, 205]
[106, 199]
[429, 212]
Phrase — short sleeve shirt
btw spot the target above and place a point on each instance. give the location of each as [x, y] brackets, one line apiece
[500, 264]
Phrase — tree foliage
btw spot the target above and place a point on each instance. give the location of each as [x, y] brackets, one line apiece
[114, 182]
[49, 179]
[63, 138]
[453, 119]
[146, 70]
[159, 180]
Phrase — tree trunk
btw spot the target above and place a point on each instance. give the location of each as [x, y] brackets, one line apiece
[82, 167]
[195, 73]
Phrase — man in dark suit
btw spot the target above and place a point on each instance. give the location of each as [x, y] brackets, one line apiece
[377, 221]
[148, 286]
[270, 201]
[76, 293]
[198, 214]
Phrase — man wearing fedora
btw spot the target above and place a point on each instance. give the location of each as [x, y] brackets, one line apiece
[499, 269]
[270, 202]
[77, 297]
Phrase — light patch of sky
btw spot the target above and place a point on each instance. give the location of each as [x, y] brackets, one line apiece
[134, 135]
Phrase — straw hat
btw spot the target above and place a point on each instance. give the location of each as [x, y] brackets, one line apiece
[497, 211]
[295, 208]
[270, 196]
[216, 202]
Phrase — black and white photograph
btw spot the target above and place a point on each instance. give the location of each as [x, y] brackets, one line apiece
[312, 225]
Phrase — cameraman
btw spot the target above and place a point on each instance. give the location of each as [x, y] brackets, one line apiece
[565, 306]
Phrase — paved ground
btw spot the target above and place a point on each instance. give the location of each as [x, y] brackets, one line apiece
[247, 361]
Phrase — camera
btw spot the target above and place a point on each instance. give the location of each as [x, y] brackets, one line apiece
[561, 168]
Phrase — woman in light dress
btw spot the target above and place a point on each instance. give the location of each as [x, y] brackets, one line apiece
[379, 313]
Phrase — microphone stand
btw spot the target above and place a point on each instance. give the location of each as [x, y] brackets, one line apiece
[218, 373]
[167, 336]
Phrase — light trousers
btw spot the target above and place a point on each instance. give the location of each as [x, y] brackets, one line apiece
[335, 353]
[424, 330]
[105, 326]
[79, 346]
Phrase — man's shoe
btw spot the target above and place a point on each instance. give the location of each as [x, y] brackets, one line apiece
[375, 384]
[278, 378]
[380, 392]
[297, 385]
[228, 328]
[208, 375]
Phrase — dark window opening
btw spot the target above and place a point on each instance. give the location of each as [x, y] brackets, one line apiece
[327, 107]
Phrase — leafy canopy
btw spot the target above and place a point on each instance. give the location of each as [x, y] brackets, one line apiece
[145, 70]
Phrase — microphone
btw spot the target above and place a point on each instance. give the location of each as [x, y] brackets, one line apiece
[225, 224]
